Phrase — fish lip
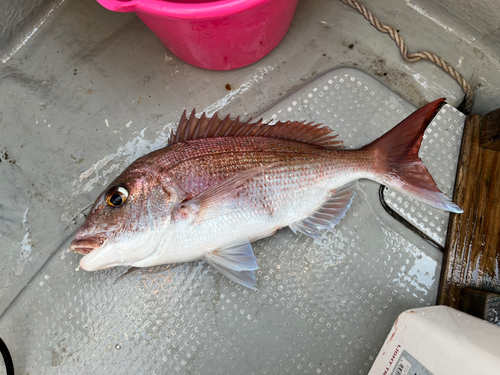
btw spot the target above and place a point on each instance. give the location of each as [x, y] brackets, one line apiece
[85, 244]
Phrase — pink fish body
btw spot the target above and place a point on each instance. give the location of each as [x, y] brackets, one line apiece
[221, 184]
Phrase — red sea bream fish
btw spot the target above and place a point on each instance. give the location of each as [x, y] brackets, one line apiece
[221, 184]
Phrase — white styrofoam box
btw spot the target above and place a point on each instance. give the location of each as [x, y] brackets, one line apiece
[439, 340]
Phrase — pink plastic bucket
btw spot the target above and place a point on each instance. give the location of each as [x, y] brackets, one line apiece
[217, 34]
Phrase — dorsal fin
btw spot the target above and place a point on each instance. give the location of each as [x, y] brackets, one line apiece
[210, 127]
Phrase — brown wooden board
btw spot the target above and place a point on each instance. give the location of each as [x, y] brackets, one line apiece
[490, 131]
[472, 252]
[482, 304]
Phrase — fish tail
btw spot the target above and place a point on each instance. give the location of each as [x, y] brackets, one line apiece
[397, 163]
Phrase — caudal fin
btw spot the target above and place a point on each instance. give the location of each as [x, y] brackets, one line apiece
[398, 164]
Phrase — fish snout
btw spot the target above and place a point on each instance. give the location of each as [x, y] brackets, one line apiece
[84, 245]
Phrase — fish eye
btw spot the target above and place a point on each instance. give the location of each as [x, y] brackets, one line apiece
[116, 196]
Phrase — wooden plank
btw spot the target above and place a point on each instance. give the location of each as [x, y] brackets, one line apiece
[482, 304]
[472, 252]
[490, 131]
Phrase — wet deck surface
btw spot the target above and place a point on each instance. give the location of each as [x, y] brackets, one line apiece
[92, 91]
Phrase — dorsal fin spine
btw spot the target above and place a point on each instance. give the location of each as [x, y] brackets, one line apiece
[313, 134]
[210, 124]
[248, 128]
[202, 120]
[274, 130]
[235, 121]
[266, 131]
[219, 128]
[172, 136]
[240, 129]
[225, 124]
[300, 131]
[294, 129]
[190, 126]
[181, 127]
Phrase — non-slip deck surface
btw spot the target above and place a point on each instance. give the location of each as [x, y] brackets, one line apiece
[323, 306]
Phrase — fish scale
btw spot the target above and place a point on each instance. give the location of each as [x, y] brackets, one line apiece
[275, 187]
[219, 159]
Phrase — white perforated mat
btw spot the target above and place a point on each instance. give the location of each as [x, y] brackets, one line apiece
[323, 306]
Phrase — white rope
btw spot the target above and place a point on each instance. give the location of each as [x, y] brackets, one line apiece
[469, 94]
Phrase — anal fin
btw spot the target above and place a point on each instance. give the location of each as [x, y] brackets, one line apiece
[329, 214]
[237, 262]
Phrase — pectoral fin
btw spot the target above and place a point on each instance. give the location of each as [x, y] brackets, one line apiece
[227, 188]
[329, 214]
[210, 202]
[237, 262]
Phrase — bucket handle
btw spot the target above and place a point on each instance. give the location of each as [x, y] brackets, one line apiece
[119, 5]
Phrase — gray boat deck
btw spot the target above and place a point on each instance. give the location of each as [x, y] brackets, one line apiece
[92, 90]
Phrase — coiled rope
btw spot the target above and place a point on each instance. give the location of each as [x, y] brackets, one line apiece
[466, 105]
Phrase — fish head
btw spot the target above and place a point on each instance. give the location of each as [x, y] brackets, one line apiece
[126, 222]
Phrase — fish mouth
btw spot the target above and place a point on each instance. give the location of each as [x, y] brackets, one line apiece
[85, 245]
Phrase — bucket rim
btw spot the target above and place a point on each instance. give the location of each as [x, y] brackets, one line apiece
[163, 8]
